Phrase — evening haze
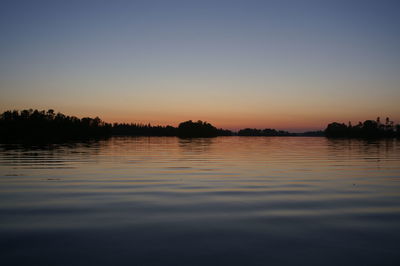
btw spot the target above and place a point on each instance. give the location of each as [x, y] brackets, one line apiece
[292, 65]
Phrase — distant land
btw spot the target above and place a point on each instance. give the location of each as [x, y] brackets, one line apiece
[47, 126]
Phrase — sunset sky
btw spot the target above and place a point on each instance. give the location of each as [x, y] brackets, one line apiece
[292, 65]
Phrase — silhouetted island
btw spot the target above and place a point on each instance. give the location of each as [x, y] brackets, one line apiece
[48, 126]
[191, 129]
[368, 129]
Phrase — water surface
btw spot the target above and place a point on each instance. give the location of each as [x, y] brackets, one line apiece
[219, 201]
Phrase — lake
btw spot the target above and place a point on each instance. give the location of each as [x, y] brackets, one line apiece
[217, 201]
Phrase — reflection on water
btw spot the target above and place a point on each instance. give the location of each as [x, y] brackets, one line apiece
[220, 201]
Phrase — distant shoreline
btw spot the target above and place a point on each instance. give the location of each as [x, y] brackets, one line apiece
[48, 126]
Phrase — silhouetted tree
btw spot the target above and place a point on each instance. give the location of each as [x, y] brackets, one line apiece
[336, 130]
[368, 129]
[190, 129]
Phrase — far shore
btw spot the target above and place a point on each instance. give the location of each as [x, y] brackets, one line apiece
[34, 125]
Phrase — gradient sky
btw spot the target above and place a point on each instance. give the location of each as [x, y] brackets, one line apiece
[293, 65]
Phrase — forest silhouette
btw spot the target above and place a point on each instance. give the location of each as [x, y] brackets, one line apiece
[368, 129]
[35, 125]
[47, 126]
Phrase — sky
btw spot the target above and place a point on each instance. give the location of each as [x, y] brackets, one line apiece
[292, 65]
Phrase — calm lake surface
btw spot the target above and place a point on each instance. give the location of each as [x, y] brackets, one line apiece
[220, 201]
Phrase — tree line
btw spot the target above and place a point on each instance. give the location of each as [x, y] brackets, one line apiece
[35, 125]
[47, 125]
[367, 129]
[263, 132]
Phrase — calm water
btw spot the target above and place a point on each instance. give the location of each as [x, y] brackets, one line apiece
[221, 201]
